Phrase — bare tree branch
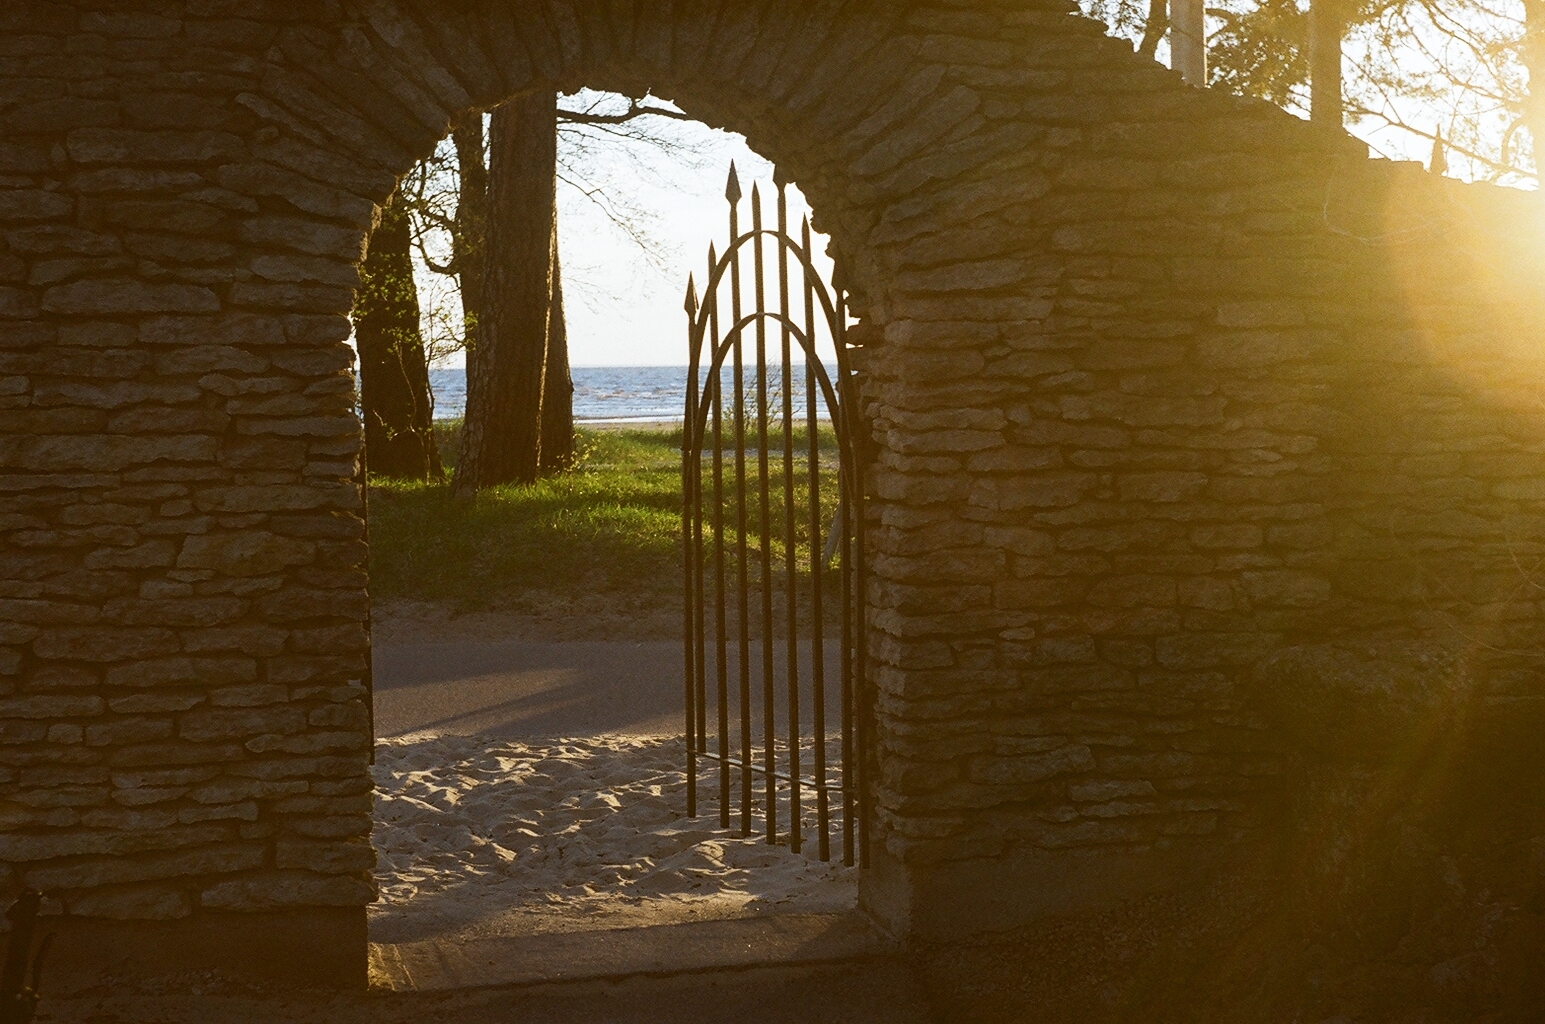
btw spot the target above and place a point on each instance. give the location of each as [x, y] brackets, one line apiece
[636, 109]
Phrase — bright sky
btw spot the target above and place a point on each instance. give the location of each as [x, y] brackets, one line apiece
[624, 301]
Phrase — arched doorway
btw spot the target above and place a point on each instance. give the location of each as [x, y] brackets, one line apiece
[1145, 364]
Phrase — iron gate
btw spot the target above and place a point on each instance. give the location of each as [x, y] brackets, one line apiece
[791, 536]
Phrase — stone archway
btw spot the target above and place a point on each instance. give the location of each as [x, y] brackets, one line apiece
[1122, 341]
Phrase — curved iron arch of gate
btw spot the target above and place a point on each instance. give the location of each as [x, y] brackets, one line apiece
[735, 515]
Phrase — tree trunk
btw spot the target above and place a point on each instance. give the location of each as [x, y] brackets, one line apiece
[471, 228]
[558, 392]
[1327, 26]
[1188, 41]
[394, 374]
[1533, 56]
[501, 442]
[1155, 27]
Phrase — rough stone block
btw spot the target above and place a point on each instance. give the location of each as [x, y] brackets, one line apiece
[91, 874]
[183, 671]
[243, 554]
[125, 146]
[275, 889]
[237, 723]
[127, 296]
[135, 903]
[325, 858]
[101, 644]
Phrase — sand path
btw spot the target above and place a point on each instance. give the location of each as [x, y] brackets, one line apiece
[528, 787]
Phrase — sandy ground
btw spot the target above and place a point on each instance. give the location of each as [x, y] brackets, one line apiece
[487, 826]
[481, 837]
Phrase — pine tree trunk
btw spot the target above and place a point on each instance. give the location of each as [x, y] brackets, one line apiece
[558, 392]
[394, 373]
[502, 440]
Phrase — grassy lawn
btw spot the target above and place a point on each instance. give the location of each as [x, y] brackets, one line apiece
[609, 527]
[611, 524]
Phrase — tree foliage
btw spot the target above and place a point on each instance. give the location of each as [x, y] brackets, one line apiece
[1416, 71]
[1261, 51]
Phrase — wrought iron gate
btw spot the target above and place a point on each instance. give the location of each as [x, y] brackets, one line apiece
[790, 536]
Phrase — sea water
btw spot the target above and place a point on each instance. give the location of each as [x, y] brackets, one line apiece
[624, 394]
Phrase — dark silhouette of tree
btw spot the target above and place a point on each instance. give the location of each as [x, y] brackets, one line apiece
[502, 438]
[558, 391]
[468, 227]
[394, 372]
[1154, 27]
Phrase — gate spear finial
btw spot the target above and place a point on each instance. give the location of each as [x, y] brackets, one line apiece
[732, 191]
[692, 296]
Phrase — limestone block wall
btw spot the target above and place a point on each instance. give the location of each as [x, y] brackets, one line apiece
[1172, 397]
[1240, 468]
[183, 723]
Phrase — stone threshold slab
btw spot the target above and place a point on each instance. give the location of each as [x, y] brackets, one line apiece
[786, 940]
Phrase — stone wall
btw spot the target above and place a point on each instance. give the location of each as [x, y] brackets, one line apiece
[1290, 404]
[1211, 606]
[1191, 423]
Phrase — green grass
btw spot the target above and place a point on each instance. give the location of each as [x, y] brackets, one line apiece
[611, 525]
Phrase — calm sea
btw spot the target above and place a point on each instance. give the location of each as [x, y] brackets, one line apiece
[606, 394]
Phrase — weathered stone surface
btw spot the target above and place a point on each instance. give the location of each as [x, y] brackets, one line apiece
[136, 903]
[325, 858]
[212, 860]
[1355, 703]
[102, 644]
[244, 554]
[184, 671]
[235, 723]
[118, 297]
[277, 889]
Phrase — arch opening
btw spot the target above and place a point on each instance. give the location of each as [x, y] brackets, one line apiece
[530, 775]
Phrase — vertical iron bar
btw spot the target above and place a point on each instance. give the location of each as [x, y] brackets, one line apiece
[845, 516]
[790, 542]
[699, 588]
[362, 481]
[764, 512]
[688, 518]
[817, 566]
[852, 624]
[721, 633]
[846, 548]
[734, 195]
[864, 708]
